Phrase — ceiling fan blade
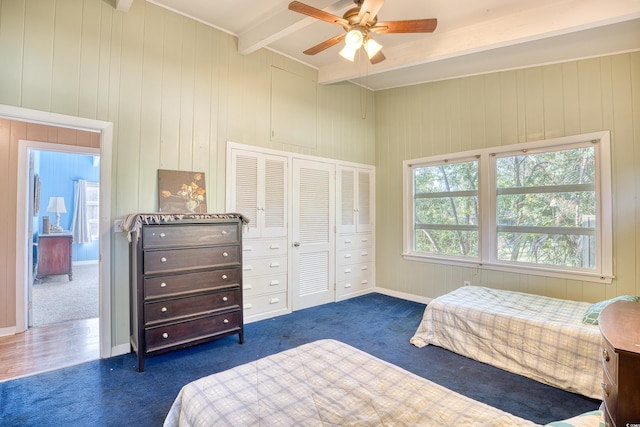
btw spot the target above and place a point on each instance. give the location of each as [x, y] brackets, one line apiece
[324, 45]
[378, 57]
[311, 11]
[408, 26]
[369, 10]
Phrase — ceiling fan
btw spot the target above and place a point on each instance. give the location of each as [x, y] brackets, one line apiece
[359, 23]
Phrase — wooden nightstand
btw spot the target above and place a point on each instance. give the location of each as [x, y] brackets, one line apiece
[55, 255]
[620, 327]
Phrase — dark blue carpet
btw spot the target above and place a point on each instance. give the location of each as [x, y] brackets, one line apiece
[110, 392]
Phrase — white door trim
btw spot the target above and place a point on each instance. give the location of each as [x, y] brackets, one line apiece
[106, 143]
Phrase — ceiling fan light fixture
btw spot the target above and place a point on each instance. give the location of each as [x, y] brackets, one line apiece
[354, 38]
[348, 52]
[372, 47]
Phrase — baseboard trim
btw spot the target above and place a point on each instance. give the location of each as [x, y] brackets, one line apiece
[403, 295]
[5, 332]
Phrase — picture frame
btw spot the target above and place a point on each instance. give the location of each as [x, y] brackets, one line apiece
[181, 191]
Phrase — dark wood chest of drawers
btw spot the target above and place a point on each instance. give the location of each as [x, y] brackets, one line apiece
[55, 255]
[620, 327]
[186, 285]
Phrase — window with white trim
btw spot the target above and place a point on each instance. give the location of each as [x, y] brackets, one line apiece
[542, 207]
[92, 198]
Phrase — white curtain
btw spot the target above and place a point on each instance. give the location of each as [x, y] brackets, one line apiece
[80, 224]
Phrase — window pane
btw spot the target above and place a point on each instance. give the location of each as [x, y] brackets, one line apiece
[546, 208]
[446, 209]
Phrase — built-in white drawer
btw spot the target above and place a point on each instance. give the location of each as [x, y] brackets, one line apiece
[265, 303]
[361, 240]
[354, 281]
[264, 267]
[354, 256]
[255, 248]
[354, 272]
[259, 285]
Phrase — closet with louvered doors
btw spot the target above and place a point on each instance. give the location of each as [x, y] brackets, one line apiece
[355, 243]
[258, 189]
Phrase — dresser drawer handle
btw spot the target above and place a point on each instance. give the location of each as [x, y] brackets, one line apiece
[224, 232]
[225, 299]
[274, 264]
[225, 277]
[347, 285]
[347, 270]
[274, 283]
[364, 282]
[365, 240]
[163, 259]
[163, 309]
[165, 335]
[162, 235]
[347, 255]
[365, 253]
[225, 254]
[605, 388]
[163, 285]
[225, 321]
[605, 355]
[274, 246]
[364, 267]
[347, 240]
[274, 300]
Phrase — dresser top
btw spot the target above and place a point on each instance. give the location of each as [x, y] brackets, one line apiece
[620, 326]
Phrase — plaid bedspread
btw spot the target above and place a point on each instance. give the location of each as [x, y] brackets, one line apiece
[327, 383]
[539, 337]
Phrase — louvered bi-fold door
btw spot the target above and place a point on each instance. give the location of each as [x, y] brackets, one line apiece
[313, 236]
[259, 191]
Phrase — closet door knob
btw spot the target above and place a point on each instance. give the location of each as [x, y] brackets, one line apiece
[296, 244]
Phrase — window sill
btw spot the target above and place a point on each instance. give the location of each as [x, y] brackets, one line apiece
[520, 269]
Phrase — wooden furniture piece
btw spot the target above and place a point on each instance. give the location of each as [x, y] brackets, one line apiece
[620, 328]
[186, 284]
[55, 253]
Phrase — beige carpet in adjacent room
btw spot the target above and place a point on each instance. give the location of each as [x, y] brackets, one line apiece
[56, 299]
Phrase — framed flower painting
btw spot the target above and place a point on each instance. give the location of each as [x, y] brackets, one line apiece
[181, 191]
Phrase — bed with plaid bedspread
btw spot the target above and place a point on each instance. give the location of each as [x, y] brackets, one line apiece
[327, 383]
[539, 337]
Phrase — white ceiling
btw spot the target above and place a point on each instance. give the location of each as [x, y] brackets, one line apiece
[472, 37]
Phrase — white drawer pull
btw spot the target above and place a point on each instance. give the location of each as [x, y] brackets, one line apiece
[163, 309]
[165, 335]
[225, 299]
[163, 259]
[364, 282]
[225, 254]
[365, 253]
[274, 246]
[225, 277]
[347, 285]
[247, 248]
[247, 287]
[247, 306]
[162, 235]
[364, 267]
[274, 283]
[364, 239]
[347, 270]
[163, 285]
[347, 240]
[247, 267]
[274, 264]
[274, 300]
[347, 255]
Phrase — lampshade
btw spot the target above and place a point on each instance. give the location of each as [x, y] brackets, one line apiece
[372, 47]
[354, 38]
[348, 52]
[56, 205]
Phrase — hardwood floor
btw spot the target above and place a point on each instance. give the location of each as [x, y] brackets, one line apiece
[49, 347]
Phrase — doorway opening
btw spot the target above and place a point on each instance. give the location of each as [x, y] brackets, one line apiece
[64, 236]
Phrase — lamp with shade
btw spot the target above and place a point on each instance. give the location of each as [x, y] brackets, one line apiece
[56, 205]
